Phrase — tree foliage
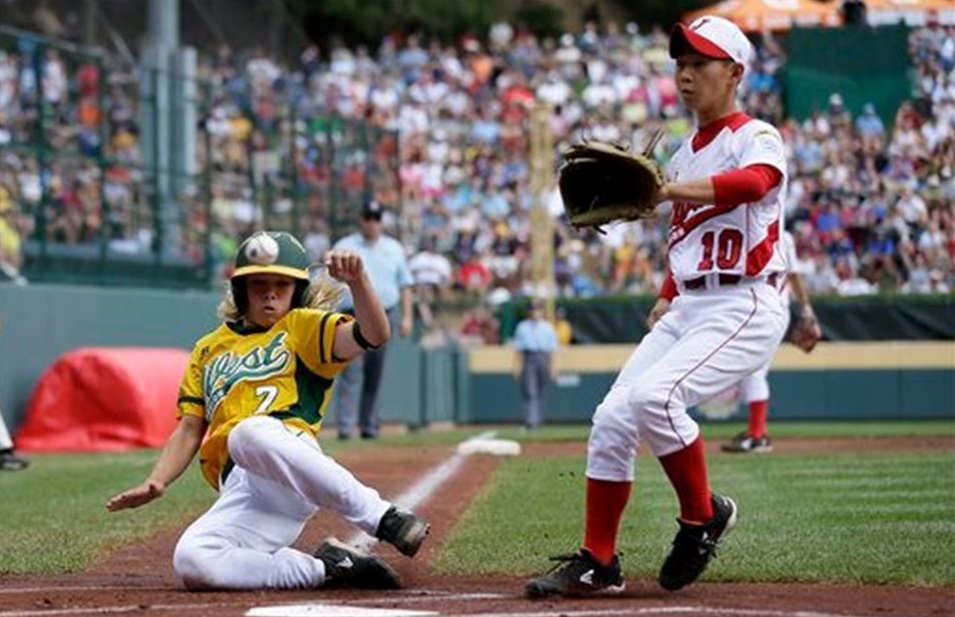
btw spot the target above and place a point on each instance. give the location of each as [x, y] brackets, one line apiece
[663, 12]
[368, 20]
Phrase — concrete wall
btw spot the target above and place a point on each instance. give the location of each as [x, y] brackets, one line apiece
[911, 379]
[838, 380]
[42, 322]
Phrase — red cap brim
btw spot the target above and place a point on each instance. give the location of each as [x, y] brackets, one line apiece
[682, 39]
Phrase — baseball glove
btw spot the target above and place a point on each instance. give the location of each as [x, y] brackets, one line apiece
[601, 183]
[806, 333]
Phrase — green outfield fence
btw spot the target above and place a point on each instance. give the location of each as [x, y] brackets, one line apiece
[117, 181]
[845, 380]
[862, 65]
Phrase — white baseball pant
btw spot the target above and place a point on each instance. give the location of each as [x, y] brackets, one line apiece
[279, 481]
[755, 387]
[708, 341]
[6, 442]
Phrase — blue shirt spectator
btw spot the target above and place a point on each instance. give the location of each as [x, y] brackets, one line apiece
[384, 260]
[869, 124]
[535, 335]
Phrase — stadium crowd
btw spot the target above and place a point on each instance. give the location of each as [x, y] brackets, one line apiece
[872, 206]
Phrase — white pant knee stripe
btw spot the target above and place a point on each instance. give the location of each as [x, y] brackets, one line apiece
[666, 405]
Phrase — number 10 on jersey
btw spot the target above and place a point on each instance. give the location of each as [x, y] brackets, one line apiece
[724, 246]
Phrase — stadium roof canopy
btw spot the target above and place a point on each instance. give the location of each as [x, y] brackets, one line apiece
[912, 12]
[760, 15]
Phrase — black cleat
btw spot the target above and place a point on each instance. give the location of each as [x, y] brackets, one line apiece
[346, 566]
[744, 443]
[576, 576]
[11, 462]
[695, 545]
[405, 530]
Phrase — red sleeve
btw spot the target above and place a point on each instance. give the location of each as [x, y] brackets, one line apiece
[740, 186]
[669, 290]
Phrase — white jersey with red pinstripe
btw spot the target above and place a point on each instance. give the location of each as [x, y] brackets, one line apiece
[723, 326]
[740, 239]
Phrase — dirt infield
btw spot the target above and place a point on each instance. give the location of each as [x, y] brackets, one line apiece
[139, 579]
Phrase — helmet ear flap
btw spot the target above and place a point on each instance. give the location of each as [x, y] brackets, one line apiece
[239, 295]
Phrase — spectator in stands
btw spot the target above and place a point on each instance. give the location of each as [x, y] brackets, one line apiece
[10, 251]
[461, 116]
[479, 327]
[870, 128]
[562, 327]
[431, 272]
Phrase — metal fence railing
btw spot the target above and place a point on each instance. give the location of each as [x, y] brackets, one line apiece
[126, 174]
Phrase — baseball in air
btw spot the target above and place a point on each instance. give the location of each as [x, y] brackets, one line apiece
[262, 249]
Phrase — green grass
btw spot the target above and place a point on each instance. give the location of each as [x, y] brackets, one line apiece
[874, 518]
[53, 515]
[724, 430]
[711, 430]
[796, 510]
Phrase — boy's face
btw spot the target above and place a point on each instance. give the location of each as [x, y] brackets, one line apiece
[270, 298]
[705, 82]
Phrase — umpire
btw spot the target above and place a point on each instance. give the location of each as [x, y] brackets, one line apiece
[535, 342]
[387, 267]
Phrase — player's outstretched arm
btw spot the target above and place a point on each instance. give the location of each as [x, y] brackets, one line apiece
[699, 191]
[176, 455]
[370, 328]
[725, 189]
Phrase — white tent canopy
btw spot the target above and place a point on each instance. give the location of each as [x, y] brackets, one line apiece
[912, 12]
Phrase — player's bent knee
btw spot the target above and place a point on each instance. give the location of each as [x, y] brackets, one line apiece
[612, 446]
[250, 434]
[614, 418]
[188, 564]
[195, 564]
[649, 397]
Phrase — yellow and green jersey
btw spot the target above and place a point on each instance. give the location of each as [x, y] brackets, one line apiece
[238, 371]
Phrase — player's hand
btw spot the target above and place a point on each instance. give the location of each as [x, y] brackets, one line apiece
[657, 312]
[406, 325]
[135, 497]
[344, 266]
[807, 332]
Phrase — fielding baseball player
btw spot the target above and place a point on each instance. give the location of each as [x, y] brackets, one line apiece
[251, 403]
[755, 387]
[725, 185]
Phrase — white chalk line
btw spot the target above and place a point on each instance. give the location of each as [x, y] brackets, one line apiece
[657, 610]
[53, 588]
[418, 597]
[437, 596]
[114, 610]
[422, 489]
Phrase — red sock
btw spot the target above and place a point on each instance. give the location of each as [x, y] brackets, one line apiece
[686, 470]
[606, 501]
[758, 410]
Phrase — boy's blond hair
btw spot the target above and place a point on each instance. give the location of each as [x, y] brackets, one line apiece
[323, 293]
